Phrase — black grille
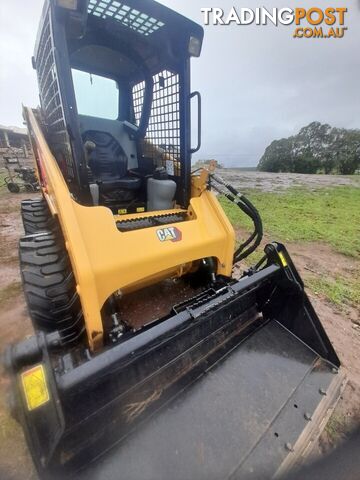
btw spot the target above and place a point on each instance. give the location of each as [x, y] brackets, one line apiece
[162, 141]
[155, 221]
[127, 16]
[50, 96]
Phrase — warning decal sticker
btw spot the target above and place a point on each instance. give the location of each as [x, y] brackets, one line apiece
[35, 387]
[283, 259]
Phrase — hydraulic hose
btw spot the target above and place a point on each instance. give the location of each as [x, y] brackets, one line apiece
[249, 209]
[244, 208]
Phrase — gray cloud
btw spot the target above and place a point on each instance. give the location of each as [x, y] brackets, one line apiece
[18, 26]
[257, 83]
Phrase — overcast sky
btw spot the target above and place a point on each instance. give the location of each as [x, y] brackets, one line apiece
[257, 83]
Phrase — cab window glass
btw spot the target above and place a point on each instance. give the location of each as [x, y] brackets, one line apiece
[96, 96]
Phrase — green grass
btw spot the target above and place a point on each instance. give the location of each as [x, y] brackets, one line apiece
[326, 215]
[331, 216]
[340, 291]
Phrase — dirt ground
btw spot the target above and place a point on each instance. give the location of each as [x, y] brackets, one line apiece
[271, 182]
[342, 326]
[15, 462]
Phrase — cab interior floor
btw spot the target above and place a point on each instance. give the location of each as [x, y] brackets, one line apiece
[145, 306]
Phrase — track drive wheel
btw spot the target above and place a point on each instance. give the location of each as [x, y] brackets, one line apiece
[37, 217]
[49, 286]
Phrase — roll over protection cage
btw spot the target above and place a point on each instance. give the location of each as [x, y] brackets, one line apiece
[158, 43]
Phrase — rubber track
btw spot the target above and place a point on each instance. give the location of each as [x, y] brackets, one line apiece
[49, 286]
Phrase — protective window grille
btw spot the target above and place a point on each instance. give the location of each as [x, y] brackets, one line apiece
[127, 16]
[50, 95]
[162, 141]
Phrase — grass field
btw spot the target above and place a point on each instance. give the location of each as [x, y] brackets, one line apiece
[330, 216]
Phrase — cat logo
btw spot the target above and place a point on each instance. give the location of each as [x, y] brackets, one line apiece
[170, 234]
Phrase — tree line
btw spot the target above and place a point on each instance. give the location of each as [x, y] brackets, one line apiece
[317, 148]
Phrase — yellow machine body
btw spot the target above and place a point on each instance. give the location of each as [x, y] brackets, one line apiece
[105, 260]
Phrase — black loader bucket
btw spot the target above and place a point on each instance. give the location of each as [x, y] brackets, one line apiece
[235, 383]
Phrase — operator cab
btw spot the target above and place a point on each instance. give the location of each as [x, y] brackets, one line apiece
[116, 99]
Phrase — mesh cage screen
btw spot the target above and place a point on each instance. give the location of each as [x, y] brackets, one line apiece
[162, 141]
[127, 16]
[50, 98]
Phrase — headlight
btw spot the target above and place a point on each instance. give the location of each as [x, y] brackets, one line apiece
[195, 47]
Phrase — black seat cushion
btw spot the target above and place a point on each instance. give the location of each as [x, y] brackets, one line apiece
[124, 183]
[107, 161]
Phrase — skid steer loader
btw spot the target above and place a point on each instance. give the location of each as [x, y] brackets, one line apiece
[234, 379]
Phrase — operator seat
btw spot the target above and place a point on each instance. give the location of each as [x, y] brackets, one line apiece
[108, 164]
